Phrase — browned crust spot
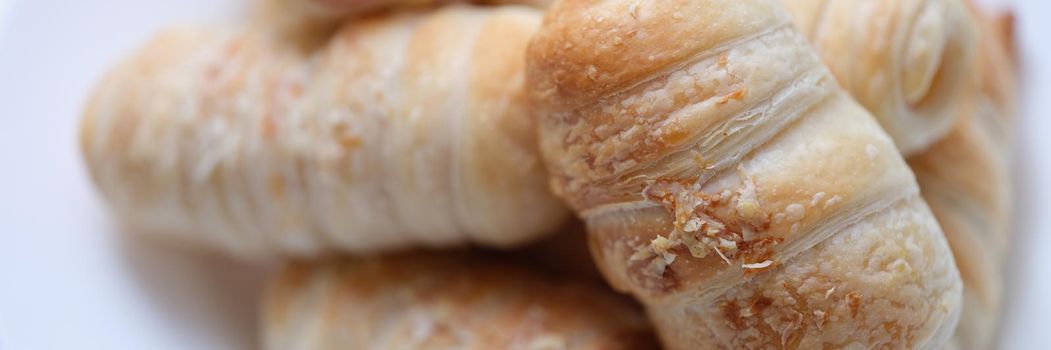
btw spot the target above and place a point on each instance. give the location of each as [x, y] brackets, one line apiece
[854, 303]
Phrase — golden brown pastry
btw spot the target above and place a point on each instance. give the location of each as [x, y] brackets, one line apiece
[906, 61]
[443, 302]
[966, 180]
[730, 184]
[403, 130]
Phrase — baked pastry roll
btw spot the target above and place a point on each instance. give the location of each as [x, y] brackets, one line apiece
[421, 301]
[906, 61]
[730, 184]
[966, 179]
[408, 129]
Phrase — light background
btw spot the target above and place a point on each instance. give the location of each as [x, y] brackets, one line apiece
[68, 280]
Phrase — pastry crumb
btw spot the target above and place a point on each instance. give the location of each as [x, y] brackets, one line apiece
[759, 265]
[829, 292]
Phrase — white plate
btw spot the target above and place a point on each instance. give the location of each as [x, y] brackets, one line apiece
[67, 280]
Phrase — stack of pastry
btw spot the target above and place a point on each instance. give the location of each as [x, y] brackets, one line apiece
[754, 173]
